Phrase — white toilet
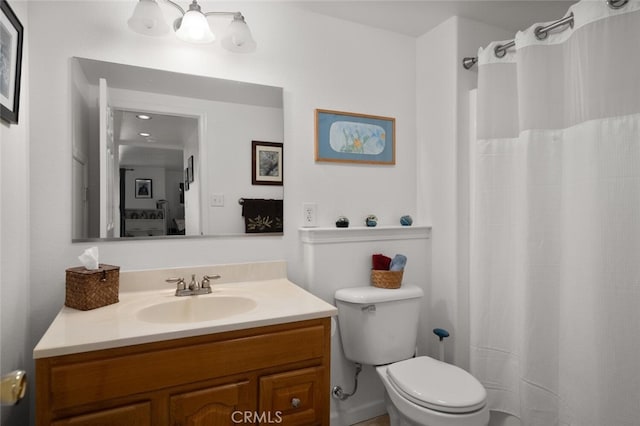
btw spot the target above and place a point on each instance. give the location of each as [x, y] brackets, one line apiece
[380, 327]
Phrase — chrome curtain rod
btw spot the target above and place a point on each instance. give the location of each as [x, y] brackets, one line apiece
[540, 32]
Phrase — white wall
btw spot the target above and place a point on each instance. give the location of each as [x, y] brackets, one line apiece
[442, 90]
[350, 68]
[435, 109]
[15, 344]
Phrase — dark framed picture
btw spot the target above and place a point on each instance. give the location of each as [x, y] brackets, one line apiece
[266, 163]
[11, 36]
[186, 179]
[191, 169]
[143, 188]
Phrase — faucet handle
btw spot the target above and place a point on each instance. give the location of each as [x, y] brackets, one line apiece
[176, 280]
[205, 280]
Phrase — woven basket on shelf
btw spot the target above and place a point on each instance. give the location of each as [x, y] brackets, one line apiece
[386, 279]
[90, 289]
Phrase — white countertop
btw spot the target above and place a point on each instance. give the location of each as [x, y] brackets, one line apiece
[277, 301]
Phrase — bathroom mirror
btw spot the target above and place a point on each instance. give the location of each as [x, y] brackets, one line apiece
[159, 154]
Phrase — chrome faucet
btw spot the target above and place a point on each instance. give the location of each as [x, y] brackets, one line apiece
[195, 288]
[194, 285]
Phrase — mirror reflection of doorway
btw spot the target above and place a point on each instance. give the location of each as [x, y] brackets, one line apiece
[153, 148]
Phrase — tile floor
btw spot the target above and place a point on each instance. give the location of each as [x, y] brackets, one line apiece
[378, 421]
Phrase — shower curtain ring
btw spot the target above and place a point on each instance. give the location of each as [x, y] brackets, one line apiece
[617, 4]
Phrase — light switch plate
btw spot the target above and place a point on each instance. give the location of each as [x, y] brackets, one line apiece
[216, 200]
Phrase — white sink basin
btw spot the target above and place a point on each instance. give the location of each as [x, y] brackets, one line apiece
[196, 309]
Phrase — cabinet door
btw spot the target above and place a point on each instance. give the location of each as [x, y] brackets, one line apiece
[214, 406]
[297, 397]
[128, 415]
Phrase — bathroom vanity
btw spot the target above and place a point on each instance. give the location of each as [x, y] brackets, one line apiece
[148, 361]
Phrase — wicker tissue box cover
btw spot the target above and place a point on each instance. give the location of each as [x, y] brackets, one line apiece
[90, 289]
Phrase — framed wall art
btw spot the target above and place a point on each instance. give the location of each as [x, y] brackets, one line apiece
[266, 163]
[11, 37]
[355, 138]
[143, 188]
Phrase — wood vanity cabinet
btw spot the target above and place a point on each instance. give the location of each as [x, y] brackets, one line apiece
[275, 374]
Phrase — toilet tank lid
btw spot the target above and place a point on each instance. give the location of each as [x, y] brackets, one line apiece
[371, 294]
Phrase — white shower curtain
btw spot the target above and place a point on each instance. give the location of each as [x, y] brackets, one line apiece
[555, 245]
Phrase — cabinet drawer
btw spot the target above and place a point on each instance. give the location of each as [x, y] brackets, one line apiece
[295, 396]
[131, 415]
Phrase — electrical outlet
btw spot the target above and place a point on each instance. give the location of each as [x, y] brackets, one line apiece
[309, 213]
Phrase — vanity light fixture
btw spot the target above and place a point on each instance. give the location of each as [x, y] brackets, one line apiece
[143, 117]
[144, 134]
[192, 25]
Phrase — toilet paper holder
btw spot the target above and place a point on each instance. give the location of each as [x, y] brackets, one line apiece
[13, 387]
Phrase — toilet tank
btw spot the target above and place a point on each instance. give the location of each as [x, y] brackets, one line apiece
[378, 326]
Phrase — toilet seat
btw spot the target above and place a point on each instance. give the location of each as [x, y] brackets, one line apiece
[437, 386]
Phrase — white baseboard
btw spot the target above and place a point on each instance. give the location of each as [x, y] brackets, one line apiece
[358, 414]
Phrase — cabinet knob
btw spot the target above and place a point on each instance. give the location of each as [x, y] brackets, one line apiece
[295, 402]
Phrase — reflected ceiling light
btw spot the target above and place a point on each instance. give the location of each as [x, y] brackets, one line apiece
[144, 134]
[192, 25]
[143, 117]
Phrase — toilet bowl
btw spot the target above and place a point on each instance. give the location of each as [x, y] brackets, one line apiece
[427, 392]
[379, 327]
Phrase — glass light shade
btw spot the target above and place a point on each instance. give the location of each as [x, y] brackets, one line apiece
[147, 19]
[238, 37]
[194, 28]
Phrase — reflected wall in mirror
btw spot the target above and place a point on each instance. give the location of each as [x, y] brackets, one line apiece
[138, 124]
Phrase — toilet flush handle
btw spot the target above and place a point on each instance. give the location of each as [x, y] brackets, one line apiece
[441, 333]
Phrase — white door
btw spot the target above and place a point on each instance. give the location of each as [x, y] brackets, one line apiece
[107, 164]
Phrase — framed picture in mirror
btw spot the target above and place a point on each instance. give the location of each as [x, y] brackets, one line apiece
[266, 163]
[143, 188]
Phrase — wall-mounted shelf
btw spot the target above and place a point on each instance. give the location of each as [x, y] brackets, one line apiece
[363, 233]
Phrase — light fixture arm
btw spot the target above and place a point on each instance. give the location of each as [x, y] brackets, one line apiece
[234, 14]
[195, 6]
[177, 6]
